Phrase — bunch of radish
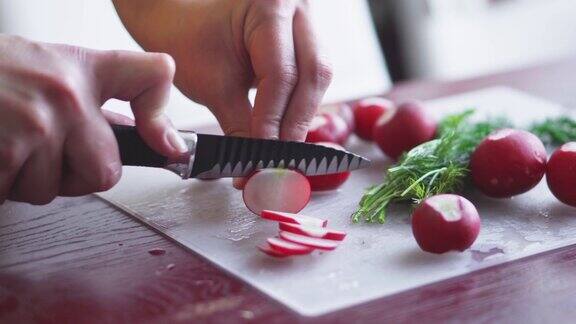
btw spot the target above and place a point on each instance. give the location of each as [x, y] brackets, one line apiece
[299, 235]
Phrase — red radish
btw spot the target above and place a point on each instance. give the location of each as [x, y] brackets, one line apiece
[287, 247]
[315, 243]
[343, 110]
[445, 223]
[328, 127]
[561, 173]
[367, 112]
[313, 231]
[276, 189]
[266, 248]
[293, 218]
[508, 162]
[408, 127]
[328, 181]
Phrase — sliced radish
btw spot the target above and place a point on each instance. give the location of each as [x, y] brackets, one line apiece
[288, 248]
[316, 243]
[276, 189]
[313, 231]
[293, 218]
[266, 248]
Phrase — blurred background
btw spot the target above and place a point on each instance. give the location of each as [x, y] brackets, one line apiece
[372, 43]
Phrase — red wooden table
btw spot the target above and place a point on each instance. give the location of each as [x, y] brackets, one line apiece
[82, 260]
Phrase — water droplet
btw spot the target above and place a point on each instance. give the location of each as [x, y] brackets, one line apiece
[246, 314]
[157, 251]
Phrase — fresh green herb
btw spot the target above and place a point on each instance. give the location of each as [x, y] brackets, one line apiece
[555, 131]
[437, 166]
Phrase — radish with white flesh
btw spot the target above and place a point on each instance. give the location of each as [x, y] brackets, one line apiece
[408, 127]
[313, 231]
[561, 174]
[445, 223]
[289, 248]
[341, 109]
[328, 127]
[367, 112]
[328, 181]
[266, 248]
[293, 218]
[507, 163]
[276, 189]
[315, 243]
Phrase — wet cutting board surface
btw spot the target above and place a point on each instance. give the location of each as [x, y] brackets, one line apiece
[374, 260]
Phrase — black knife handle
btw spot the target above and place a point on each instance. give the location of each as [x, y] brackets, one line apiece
[134, 151]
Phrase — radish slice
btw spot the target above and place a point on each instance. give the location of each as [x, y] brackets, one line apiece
[293, 218]
[276, 189]
[313, 231]
[316, 243]
[288, 248]
[266, 248]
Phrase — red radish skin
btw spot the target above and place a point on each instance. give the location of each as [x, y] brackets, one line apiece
[408, 127]
[328, 127]
[313, 231]
[507, 163]
[288, 248]
[328, 181]
[293, 218]
[315, 243]
[445, 223]
[267, 249]
[367, 112]
[343, 110]
[276, 189]
[561, 173]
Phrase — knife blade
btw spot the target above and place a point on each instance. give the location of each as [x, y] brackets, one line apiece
[217, 156]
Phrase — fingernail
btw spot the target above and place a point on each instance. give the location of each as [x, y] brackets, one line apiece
[176, 141]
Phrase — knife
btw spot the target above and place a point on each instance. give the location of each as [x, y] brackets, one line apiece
[217, 156]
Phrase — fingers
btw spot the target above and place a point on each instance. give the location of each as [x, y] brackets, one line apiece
[12, 156]
[117, 119]
[314, 76]
[144, 79]
[38, 182]
[271, 49]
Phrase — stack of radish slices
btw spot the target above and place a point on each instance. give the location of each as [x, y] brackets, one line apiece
[299, 235]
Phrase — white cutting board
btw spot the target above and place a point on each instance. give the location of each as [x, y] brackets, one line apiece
[374, 260]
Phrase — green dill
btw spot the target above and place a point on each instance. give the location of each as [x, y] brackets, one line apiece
[555, 131]
[437, 166]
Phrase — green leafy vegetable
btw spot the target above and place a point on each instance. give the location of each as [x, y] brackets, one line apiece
[555, 131]
[437, 166]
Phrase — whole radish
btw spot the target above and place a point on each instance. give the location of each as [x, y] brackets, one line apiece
[328, 181]
[408, 127]
[276, 189]
[328, 127]
[561, 173]
[508, 162]
[445, 223]
[343, 110]
[367, 112]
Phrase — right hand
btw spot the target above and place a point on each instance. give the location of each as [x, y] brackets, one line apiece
[54, 138]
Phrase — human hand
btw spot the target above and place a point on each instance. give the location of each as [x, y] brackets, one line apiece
[54, 138]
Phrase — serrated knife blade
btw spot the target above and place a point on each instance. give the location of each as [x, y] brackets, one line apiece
[217, 156]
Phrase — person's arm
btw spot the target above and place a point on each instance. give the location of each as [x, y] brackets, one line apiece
[223, 48]
[54, 138]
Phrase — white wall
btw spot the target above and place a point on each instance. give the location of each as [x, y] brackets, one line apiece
[345, 29]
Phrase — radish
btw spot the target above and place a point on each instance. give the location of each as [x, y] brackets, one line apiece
[508, 162]
[288, 248]
[445, 223]
[561, 173]
[328, 127]
[316, 243]
[313, 231]
[276, 189]
[293, 218]
[328, 181]
[343, 110]
[408, 127]
[266, 248]
[367, 112]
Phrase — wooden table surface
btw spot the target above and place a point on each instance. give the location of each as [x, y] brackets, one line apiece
[83, 261]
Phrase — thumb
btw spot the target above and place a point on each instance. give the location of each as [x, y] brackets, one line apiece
[145, 80]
